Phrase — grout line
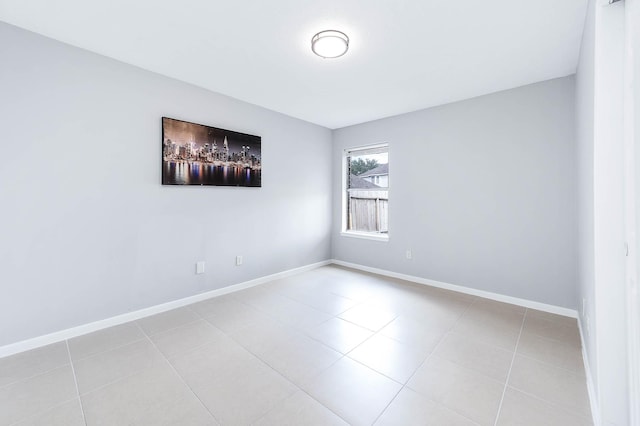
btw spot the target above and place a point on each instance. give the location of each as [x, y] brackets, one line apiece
[373, 334]
[172, 328]
[404, 385]
[306, 332]
[259, 359]
[303, 332]
[65, 342]
[145, 338]
[285, 295]
[181, 378]
[298, 387]
[386, 376]
[444, 407]
[368, 329]
[107, 384]
[15, 382]
[387, 406]
[183, 353]
[445, 334]
[138, 340]
[513, 358]
[557, 406]
[325, 407]
[115, 348]
[35, 415]
[549, 364]
[75, 381]
[133, 322]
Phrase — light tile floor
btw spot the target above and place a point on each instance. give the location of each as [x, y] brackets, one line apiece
[327, 347]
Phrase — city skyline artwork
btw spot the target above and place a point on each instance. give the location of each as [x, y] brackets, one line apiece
[196, 154]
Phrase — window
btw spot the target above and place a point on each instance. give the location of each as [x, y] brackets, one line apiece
[366, 192]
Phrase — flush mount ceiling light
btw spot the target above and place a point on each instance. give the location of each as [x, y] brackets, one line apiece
[330, 44]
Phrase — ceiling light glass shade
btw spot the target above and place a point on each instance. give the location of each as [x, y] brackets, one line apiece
[330, 44]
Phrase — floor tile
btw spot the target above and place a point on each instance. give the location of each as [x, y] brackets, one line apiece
[299, 282]
[370, 316]
[552, 329]
[221, 305]
[339, 334]
[300, 409]
[239, 390]
[31, 363]
[569, 321]
[504, 338]
[471, 394]
[412, 409]
[295, 314]
[243, 358]
[435, 309]
[352, 285]
[261, 338]
[186, 337]
[411, 331]
[258, 296]
[554, 352]
[234, 317]
[103, 340]
[476, 355]
[301, 358]
[498, 327]
[393, 300]
[36, 395]
[495, 314]
[323, 300]
[154, 396]
[495, 306]
[454, 295]
[106, 367]
[389, 357]
[352, 391]
[553, 384]
[167, 320]
[519, 409]
[65, 414]
[207, 362]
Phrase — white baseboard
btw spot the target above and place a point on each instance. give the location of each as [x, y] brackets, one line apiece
[593, 397]
[69, 333]
[467, 290]
[58, 336]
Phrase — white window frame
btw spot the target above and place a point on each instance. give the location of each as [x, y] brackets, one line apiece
[345, 194]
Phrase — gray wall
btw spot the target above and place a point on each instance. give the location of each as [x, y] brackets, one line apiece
[482, 191]
[87, 231]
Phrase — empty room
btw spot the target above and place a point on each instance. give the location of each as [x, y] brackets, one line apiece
[320, 213]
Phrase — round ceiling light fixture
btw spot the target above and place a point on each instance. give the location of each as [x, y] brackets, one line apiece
[330, 44]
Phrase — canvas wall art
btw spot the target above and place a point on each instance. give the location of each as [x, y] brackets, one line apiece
[195, 154]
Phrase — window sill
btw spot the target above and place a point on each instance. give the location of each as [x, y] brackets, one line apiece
[366, 236]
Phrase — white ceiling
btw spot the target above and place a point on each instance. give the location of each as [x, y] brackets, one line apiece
[404, 55]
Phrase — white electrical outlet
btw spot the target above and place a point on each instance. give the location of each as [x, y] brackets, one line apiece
[200, 267]
[238, 260]
[409, 254]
